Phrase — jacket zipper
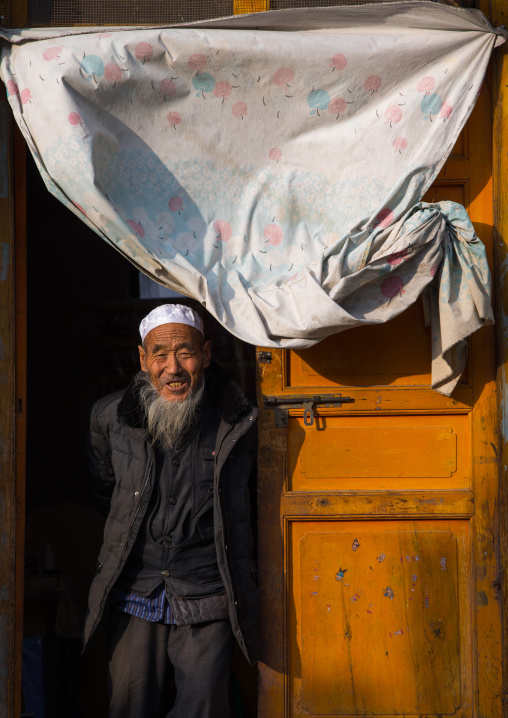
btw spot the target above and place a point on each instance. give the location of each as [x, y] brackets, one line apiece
[230, 428]
[226, 561]
[226, 553]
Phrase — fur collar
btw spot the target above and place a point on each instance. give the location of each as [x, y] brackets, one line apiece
[229, 401]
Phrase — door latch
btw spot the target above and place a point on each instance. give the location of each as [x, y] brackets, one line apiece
[265, 357]
[281, 406]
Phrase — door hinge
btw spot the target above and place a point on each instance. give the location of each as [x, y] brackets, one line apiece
[265, 357]
[282, 403]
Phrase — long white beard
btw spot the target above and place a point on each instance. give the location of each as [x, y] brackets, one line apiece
[167, 420]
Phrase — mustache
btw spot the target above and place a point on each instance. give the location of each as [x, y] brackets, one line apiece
[174, 377]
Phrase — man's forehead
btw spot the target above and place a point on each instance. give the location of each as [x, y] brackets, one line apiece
[172, 334]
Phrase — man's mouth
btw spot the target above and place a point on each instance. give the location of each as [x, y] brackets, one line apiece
[177, 386]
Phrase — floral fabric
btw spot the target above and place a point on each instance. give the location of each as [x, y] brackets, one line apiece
[272, 166]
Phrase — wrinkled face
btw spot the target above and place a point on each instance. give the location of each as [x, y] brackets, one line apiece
[175, 357]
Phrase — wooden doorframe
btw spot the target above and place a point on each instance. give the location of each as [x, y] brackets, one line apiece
[12, 407]
[12, 391]
[499, 16]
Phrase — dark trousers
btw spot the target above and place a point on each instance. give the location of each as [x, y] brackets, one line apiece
[144, 655]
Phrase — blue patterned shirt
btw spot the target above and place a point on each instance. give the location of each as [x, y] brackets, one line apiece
[155, 607]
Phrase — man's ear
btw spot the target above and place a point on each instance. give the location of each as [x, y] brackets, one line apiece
[207, 353]
[142, 358]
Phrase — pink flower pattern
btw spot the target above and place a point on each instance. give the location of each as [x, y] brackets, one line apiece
[205, 113]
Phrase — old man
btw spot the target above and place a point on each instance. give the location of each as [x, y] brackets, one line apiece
[171, 458]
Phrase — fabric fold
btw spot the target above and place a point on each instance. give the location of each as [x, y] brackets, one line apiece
[272, 166]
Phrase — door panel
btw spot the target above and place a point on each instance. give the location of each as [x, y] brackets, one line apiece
[380, 355]
[378, 524]
[379, 452]
[391, 354]
[384, 598]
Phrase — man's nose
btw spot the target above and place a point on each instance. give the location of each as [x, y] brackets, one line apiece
[173, 365]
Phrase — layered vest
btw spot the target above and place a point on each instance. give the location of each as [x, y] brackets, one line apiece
[175, 543]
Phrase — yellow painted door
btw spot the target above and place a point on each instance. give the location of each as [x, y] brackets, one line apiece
[378, 525]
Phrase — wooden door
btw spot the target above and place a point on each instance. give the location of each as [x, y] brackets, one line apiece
[378, 525]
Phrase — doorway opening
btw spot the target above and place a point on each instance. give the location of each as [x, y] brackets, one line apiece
[85, 302]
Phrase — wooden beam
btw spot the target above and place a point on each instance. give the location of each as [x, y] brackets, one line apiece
[499, 16]
[12, 393]
[243, 7]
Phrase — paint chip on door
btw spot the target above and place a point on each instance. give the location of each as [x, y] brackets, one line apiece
[340, 574]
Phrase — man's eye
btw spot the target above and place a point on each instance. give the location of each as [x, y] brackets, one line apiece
[184, 355]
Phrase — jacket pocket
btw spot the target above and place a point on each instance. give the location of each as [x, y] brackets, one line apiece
[207, 464]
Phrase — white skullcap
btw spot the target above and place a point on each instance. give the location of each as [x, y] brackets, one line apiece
[170, 314]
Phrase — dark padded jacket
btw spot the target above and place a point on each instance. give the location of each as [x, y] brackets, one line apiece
[122, 466]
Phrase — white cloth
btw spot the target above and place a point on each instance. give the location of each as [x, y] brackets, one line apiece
[170, 314]
[271, 166]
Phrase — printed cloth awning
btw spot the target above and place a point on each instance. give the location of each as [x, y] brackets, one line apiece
[272, 166]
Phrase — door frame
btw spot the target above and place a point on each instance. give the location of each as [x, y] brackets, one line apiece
[499, 16]
[12, 402]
